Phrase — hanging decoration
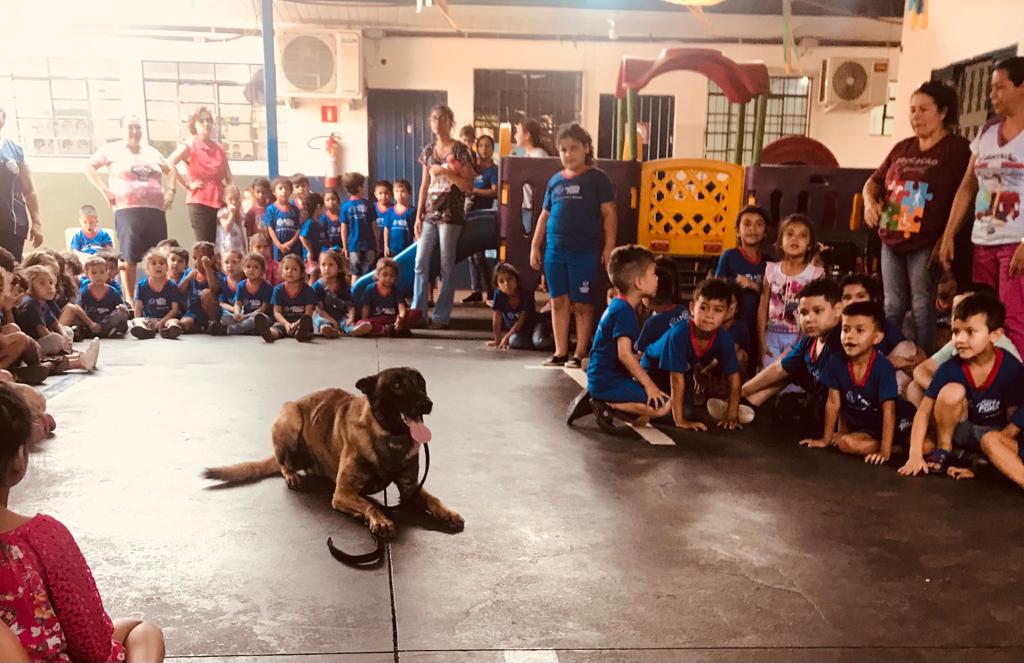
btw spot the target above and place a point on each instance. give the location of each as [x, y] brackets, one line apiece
[918, 10]
[788, 47]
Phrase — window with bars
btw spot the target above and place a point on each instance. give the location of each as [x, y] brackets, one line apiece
[65, 107]
[882, 116]
[787, 115]
[551, 97]
[173, 91]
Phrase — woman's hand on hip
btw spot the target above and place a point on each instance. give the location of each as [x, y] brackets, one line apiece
[109, 195]
[196, 185]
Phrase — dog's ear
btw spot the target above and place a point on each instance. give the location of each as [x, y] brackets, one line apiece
[367, 385]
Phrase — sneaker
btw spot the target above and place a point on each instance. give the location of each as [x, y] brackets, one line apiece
[718, 407]
[262, 321]
[574, 362]
[170, 332]
[90, 355]
[473, 298]
[216, 328]
[360, 329]
[304, 332]
[142, 332]
[329, 331]
[555, 360]
[579, 407]
[603, 413]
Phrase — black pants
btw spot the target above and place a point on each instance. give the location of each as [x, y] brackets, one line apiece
[204, 222]
[14, 244]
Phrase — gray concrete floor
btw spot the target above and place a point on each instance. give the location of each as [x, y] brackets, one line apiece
[578, 546]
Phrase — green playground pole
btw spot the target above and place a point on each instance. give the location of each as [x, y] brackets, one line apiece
[631, 123]
[620, 129]
[762, 112]
[741, 128]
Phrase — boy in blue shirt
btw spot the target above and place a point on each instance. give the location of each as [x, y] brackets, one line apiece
[667, 310]
[106, 314]
[819, 309]
[616, 383]
[862, 390]
[200, 289]
[90, 238]
[400, 221]
[358, 227]
[282, 220]
[383, 193]
[971, 394]
[693, 345]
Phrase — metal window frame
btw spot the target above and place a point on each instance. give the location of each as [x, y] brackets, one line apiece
[775, 121]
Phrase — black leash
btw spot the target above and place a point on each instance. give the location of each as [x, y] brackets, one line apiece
[377, 555]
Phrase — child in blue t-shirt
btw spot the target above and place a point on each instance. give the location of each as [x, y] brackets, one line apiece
[514, 318]
[293, 304]
[102, 305]
[383, 193]
[358, 227]
[692, 346]
[665, 304]
[971, 394]
[400, 221]
[862, 390]
[616, 383]
[200, 289]
[575, 231]
[335, 313]
[282, 220]
[819, 310]
[251, 297]
[384, 309]
[157, 300]
[331, 220]
[1006, 449]
[745, 264]
[91, 238]
[313, 234]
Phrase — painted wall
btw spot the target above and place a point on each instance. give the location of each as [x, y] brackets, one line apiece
[953, 34]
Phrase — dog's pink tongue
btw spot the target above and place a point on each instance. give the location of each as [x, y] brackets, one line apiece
[419, 431]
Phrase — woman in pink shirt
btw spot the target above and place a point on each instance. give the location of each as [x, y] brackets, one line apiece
[208, 174]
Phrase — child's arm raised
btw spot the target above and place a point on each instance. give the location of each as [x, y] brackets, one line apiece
[679, 404]
[915, 463]
[831, 417]
[212, 282]
[888, 430]
[537, 245]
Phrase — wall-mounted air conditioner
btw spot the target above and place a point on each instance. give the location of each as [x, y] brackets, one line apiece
[319, 64]
[853, 84]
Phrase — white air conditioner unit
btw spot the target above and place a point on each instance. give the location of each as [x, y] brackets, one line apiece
[853, 84]
[319, 64]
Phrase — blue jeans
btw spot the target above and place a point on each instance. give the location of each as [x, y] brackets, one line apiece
[909, 285]
[443, 237]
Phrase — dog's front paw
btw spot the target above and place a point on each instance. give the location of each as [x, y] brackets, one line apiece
[382, 527]
[292, 479]
[451, 520]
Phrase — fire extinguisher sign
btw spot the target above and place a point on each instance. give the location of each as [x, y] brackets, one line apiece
[329, 114]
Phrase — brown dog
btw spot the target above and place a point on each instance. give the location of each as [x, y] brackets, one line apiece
[363, 442]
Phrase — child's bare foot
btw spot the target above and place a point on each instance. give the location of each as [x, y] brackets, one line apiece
[959, 473]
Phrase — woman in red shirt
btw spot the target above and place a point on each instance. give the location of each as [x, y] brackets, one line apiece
[208, 174]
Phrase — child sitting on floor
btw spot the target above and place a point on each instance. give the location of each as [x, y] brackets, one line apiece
[675, 358]
[1005, 449]
[862, 392]
[252, 296]
[334, 310]
[745, 264]
[36, 319]
[200, 289]
[91, 238]
[271, 269]
[514, 318]
[615, 380]
[971, 394]
[667, 311]
[293, 303]
[385, 310]
[105, 314]
[47, 593]
[157, 301]
[819, 311]
[231, 268]
[178, 259]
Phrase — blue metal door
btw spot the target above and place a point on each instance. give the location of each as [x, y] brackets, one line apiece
[399, 128]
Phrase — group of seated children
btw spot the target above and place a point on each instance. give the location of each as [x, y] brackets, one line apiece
[852, 364]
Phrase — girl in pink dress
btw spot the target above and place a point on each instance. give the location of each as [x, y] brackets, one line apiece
[48, 597]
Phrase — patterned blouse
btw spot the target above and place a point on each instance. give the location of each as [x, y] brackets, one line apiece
[446, 203]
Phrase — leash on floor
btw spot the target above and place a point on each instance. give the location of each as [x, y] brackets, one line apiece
[372, 558]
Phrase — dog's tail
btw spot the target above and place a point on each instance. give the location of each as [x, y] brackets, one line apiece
[250, 471]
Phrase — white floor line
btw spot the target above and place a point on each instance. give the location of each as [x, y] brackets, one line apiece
[654, 436]
[578, 375]
[541, 366]
[531, 656]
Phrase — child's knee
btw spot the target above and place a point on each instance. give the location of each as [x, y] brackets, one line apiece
[991, 441]
[951, 395]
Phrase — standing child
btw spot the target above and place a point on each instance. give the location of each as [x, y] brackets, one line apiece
[313, 235]
[515, 321]
[252, 296]
[383, 195]
[90, 238]
[331, 220]
[293, 303]
[261, 244]
[358, 227]
[300, 187]
[106, 316]
[971, 394]
[575, 231]
[745, 264]
[401, 218]
[282, 220]
[157, 301]
[262, 195]
[334, 310]
[777, 326]
[383, 308]
[863, 395]
[48, 595]
[200, 289]
[230, 222]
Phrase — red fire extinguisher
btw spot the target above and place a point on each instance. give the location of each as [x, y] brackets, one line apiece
[333, 171]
